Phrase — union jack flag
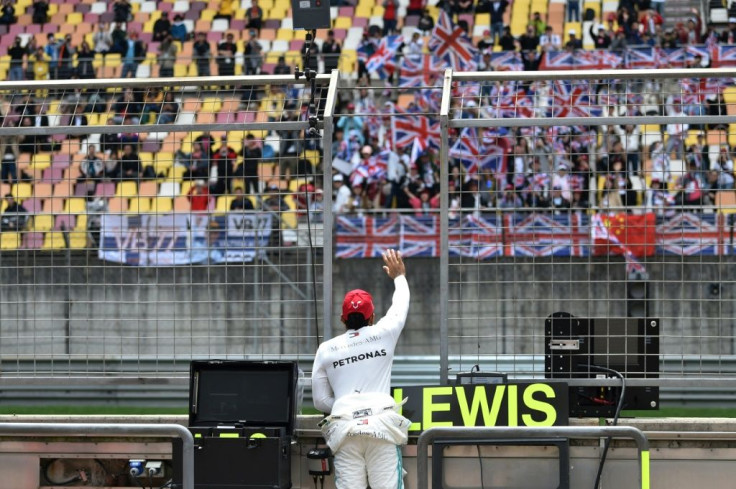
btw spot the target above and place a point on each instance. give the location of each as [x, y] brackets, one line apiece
[573, 99]
[544, 235]
[511, 103]
[409, 127]
[365, 237]
[674, 58]
[382, 59]
[420, 236]
[429, 100]
[485, 237]
[725, 56]
[697, 50]
[641, 58]
[507, 61]
[419, 71]
[450, 43]
[597, 60]
[475, 155]
[691, 234]
[557, 60]
[366, 48]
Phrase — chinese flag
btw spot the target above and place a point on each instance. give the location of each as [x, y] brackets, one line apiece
[638, 233]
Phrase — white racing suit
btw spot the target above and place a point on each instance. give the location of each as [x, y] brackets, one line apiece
[366, 433]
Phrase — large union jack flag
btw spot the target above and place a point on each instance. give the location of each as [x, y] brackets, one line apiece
[507, 61]
[691, 234]
[671, 58]
[573, 99]
[409, 127]
[510, 102]
[419, 71]
[450, 43]
[485, 237]
[557, 60]
[365, 237]
[546, 235]
[641, 58]
[597, 60]
[382, 60]
[475, 155]
[725, 56]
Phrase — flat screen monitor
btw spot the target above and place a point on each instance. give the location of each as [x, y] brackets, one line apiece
[244, 393]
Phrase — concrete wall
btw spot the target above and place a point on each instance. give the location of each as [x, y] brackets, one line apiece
[74, 303]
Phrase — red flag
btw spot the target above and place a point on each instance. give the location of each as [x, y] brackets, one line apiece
[633, 233]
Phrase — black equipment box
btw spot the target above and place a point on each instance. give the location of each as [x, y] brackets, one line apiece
[242, 415]
[577, 347]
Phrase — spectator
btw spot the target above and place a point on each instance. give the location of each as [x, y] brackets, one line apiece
[179, 30]
[152, 101]
[426, 22]
[331, 50]
[676, 131]
[712, 187]
[78, 119]
[549, 40]
[573, 11]
[199, 163]
[40, 12]
[40, 120]
[342, 195]
[31, 48]
[660, 162]
[689, 187]
[162, 27]
[281, 67]
[573, 43]
[122, 11]
[8, 13]
[85, 69]
[417, 8]
[169, 109]
[611, 199]
[240, 202]
[10, 152]
[658, 199]
[252, 54]
[65, 67]
[52, 51]
[390, 16]
[473, 200]
[226, 50]
[92, 167]
[509, 199]
[110, 142]
[119, 39]
[130, 164]
[600, 37]
[498, 8]
[167, 57]
[248, 169]
[226, 10]
[14, 217]
[17, 54]
[199, 196]
[254, 16]
[538, 189]
[487, 41]
[630, 137]
[202, 54]
[529, 41]
[507, 41]
[135, 52]
[221, 170]
[127, 106]
[723, 167]
[618, 44]
[561, 181]
[102, 40]
[112, 167]
[729, 35]
[540, 26]
[40, 62]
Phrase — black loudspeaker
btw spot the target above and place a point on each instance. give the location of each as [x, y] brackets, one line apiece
[589, 15]
[637, 299]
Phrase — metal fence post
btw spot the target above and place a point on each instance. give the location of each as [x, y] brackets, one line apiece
[444, 224]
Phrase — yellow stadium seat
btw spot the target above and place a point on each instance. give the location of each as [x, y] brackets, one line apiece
[186, 187]
[74, 18]
[81, 224]
[22, 191]
[207, 14]
[126, 189]
[313, 156]
[211, 105]
[363, 10]
[77, 240]
[180, 71]
[53, 240]
[223, 203]
[377, 11]
[139, 205]
[113, 60]
[483, 19]
[75, 205]
[42, 222]
[9, 240]
[175, 173]
[41, 161]
[343, 23]
[161, 205]
[163, 161]
[285, 34]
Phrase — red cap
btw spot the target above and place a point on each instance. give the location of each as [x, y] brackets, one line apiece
[357, 301]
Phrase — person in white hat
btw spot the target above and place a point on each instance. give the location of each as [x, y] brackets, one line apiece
[342, 195]
[573, 43]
